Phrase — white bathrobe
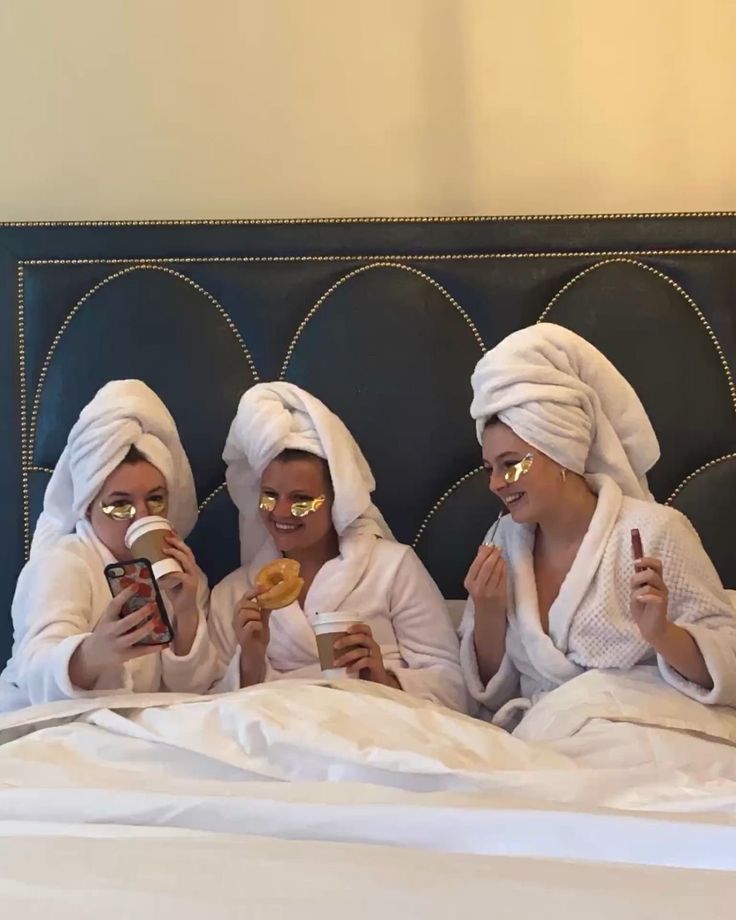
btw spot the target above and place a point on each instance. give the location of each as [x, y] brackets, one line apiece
[381, 581]
[62, 592]
[590, 624]
[562, 396]
[386, 586]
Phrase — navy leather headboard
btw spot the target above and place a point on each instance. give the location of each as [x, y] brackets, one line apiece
[382, 319]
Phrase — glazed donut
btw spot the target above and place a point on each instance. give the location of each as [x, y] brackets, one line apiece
[282, 581]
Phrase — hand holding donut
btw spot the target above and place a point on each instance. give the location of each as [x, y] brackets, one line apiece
[276, 585]
[250, 623]
[279, 584]
[359, 652]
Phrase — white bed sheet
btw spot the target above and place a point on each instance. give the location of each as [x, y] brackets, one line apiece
[367, 764]
[72, 872]
[11, 698]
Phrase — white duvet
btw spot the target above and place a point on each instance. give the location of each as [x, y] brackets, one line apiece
[75, 872]
[611, 767]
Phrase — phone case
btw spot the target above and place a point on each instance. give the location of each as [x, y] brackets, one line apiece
[121, 575]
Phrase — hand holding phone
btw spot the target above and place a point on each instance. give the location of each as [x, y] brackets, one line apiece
[137, 576]
[118, 636]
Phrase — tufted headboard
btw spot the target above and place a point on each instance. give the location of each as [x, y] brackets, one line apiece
[383, 320]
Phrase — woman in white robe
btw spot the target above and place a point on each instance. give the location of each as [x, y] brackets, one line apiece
[69, 637]
[285, 446]
[555, 588]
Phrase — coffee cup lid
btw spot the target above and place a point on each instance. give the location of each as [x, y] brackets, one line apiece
[144, 525]
[335, 618]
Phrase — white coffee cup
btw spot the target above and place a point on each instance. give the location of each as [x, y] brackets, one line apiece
[328, 628]
[145, 539]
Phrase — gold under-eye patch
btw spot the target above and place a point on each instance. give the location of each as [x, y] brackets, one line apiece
[123, 510]
[118, 511]
[298, 509]
[517, 470]
[302, 509]
[157, 506]
[267, 502]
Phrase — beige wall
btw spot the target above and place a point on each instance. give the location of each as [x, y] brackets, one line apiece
[275, 108]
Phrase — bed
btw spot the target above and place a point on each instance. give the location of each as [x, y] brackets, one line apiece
[616, 793]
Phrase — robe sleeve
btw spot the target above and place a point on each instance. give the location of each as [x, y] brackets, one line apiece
[222, 635]
[52, 615]
[505, 683]
[203, 665]
[427, 641]
[699, 603]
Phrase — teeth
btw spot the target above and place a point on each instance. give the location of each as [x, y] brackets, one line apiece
[285, 526]
[513, 498]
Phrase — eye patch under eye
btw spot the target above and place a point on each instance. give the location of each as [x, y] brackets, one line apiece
[517, 470]
[123, 510]
[302, 509]
[156, 505]
[118, 511]
[298, 509]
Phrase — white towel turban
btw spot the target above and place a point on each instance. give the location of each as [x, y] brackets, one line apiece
[273, 417]
[558, 393]
[123, 414]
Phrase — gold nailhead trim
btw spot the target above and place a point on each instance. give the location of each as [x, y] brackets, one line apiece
[62, 329]
[688, 299]
[472, 218]
[700, 469]
[410, 257]
[213, 494]
[441, 500]
[24, 458]
[360, 271]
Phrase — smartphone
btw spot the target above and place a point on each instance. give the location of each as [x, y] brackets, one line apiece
[138, 572]
[637, 550]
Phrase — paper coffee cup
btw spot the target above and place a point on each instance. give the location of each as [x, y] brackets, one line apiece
[328, 628]
[145, 539]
